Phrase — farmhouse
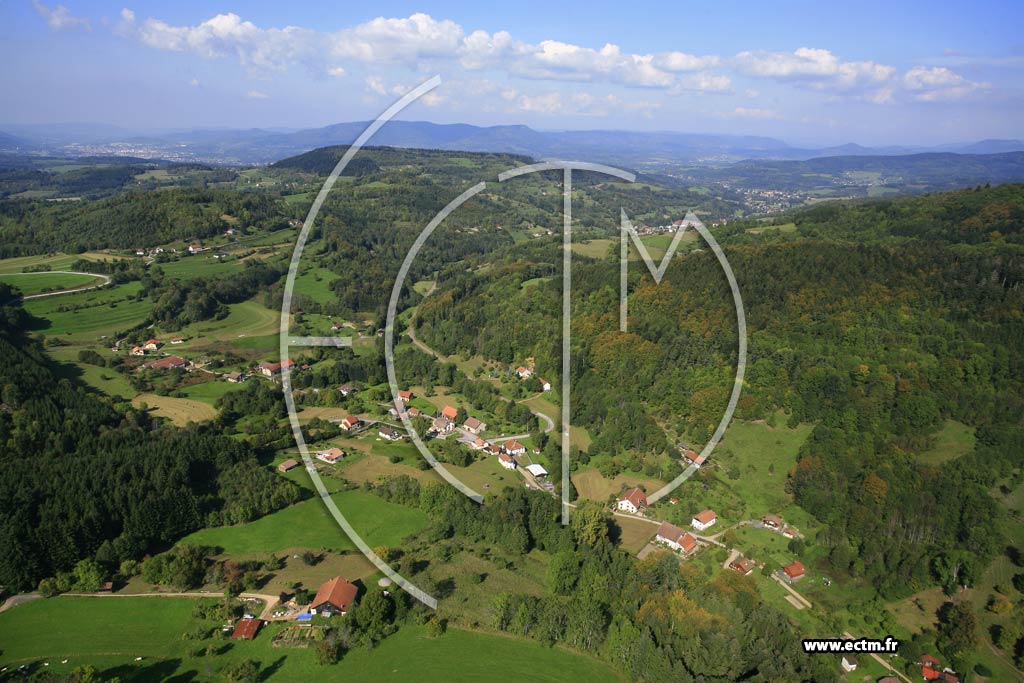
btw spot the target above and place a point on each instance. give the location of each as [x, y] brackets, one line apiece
[389, 433]
[743, 565]
[346, 389]
[168, 363]
[450, 412]
[442, 425]
[404, 396]
[479, 444]
[288, 465]
[793, 572]
[195, 248]
[474, 426]
[513, 447]
[632, 501]
[523, 372]
[493, 449]
[152, 345]
[350, 422]
[772, 522]
[544, 384]
[271, 369]
[246, 629]
[790, 532]
[330, 455]
[675, 538]
[849, 663]
[336, 595]
[693, 457]
[138, 351]
[703, 520]
[507, 461]
[235, 377]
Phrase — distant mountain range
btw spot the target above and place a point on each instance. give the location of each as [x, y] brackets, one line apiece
[645, 150]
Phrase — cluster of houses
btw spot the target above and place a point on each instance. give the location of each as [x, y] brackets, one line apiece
[523, 372]
[634, 501]
[335, 596]
[775, 523]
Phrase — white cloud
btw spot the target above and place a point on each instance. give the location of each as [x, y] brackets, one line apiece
[404, 40]
[818, 68]
[939, 84]
[257, 95]
[195, 83]
[704, 82]
[60, 18]
[336, 72]
[754, 113]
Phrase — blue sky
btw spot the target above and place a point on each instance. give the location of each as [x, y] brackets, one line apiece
[810, 73]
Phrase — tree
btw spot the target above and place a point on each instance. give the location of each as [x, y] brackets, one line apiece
[89, 576]
[589, 523]
[244, 671]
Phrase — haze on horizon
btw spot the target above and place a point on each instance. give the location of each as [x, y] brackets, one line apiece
[875, 74]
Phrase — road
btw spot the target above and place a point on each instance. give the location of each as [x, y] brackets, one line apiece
[16, 600]
[105, 278]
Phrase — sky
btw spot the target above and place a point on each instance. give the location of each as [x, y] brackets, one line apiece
[806, 72]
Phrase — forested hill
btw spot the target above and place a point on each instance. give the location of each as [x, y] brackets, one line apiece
[87, 477]
[877, 345]
[370, 159]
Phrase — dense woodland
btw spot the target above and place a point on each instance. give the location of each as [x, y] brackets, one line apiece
[84, 476]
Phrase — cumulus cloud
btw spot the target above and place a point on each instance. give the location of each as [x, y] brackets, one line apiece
[939, 84]
[816, 67]
[60, 18]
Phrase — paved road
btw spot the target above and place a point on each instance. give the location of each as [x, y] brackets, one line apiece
[105, 278]
[16, 600]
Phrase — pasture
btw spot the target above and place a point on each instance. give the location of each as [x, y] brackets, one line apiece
[35, 283]
[955, 439]
[180, 411]
[309, 525]
[88, 315]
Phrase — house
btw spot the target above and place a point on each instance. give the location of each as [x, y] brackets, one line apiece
[743, 565]
[544, 384]
[772, 522]
[346, 389]
[450, 412]
[287, 465]
[404, 396]
[235, 377]
[246, 629]
[493, 449]
[330, 455]
[336, 595]
[928, 660]
[350, 422]
[138, 351]
[167, 363]
[790, 532]
[389, 433]
[949, 676]
[793, 572]
[632, 501]
[849, 663]
[442, 425]
[479, 444]
[271, 369]
[513, 447]
[675, 538]
[414, 411]
[473, 425]
[523, 372]
[152, 345]
[703, 520]
[507, 461]
[178, 340]
[195, 248]
[930, 674]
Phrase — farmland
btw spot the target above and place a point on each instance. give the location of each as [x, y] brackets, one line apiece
[34, 283]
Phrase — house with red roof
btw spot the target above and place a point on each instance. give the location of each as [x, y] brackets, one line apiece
[632, 501]
[513, 447]
[152, 345]
[473, 425]
[167, 363]
[330, 455]
[404, 395]
[451, 412]
[792, 573]
[703, 520]
[507, 461]
[350, 422]
[544, 384]
[334, 596]
[523, 372]
[676, 538]
[743, 565]
[288, 465]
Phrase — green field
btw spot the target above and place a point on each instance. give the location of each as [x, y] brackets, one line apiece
[209, 392]
[313, 283]
[34, 283]
[952, 441]
[99, 312]
[309, 525]
[200, 265]
[106, 380]
[110, 633]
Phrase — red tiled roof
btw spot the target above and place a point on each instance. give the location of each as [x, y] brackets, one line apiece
[404, 395]
[794, 570]
[514, 445]
[505, 457]
[930, 674]
[928, 660]
[635, 496]
[450, 412]
[168, 362]
[706, 517]
[338, 593]
[288, 465]
[246, 629]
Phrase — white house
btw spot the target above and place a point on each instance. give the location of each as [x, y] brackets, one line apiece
[676, 538]
[507, 461]
[544, 384]
[849, 663]
[513, 447]
[632, 501]
[523, 372]
[703, 520]
[330, 455]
